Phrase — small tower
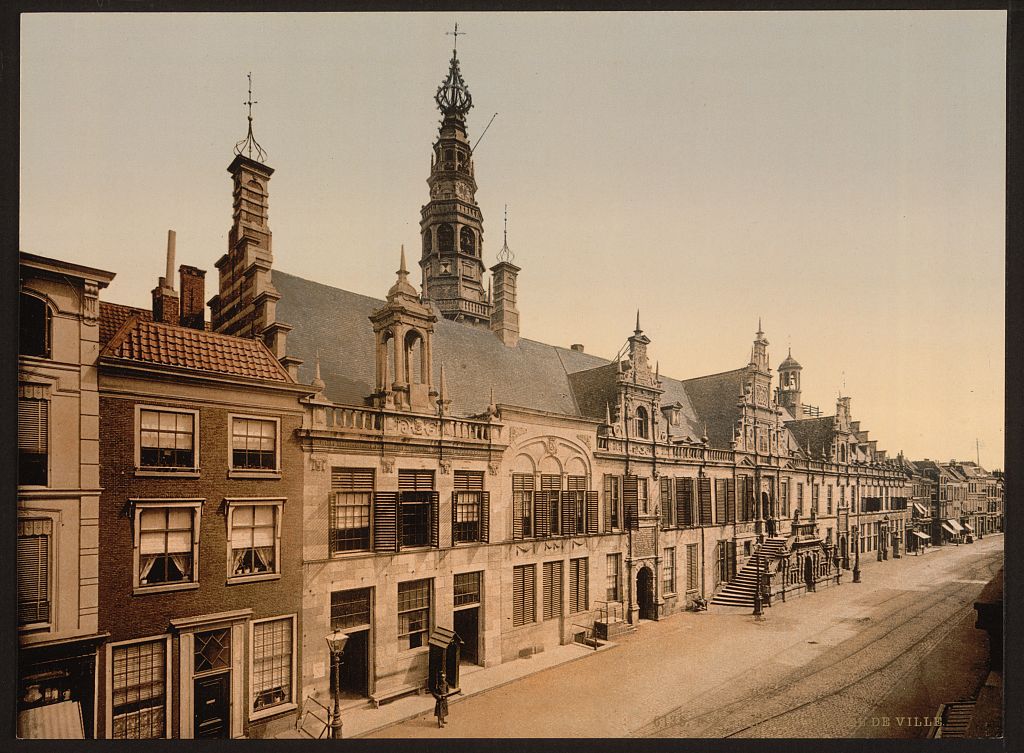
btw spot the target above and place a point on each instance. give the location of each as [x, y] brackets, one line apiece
[505, 316]
[451, 224]
[759, 353]
[789, 386]
[403, 328]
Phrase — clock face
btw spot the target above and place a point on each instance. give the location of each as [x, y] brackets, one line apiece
[462, 189]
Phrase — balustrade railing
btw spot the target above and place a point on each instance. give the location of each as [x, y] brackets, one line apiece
[350, 419]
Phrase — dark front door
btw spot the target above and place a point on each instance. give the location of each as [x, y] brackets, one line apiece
[355, 675]
[211, 704]
[467, 627]
[645, 594]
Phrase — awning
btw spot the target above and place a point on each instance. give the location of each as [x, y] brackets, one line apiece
[55, 721]
[920, 535]
[969, 527]
[956, 525]
[921, 509]
[949, 528]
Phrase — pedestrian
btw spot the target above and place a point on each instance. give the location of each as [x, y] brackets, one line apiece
[771, 527]
[441, 699]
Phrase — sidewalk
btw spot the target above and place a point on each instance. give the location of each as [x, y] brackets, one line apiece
[363, 719]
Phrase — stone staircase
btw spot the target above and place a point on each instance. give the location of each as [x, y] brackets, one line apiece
[739, 592]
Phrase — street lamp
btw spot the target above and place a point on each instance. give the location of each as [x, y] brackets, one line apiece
[758, 610]
[856, 554]
[336, 642]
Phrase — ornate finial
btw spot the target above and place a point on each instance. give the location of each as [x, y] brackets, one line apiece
[453, 97]
[638, 330]
[657, 371]
[492, 407]
[402, 285]
[317, 381]
[490, 298]
[607, 414]
[442, 398]
[402, 271]
[249, 142]
[506, 253]
[455, 44]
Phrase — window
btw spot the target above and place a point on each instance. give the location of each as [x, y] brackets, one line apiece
[579, 585]
[613, 503]
[167, 439]
[166, 544]
[552, 590]
[33, 441]
[416, 498]
[273, 644]
[467, 506]
[721, 495]
[35, 326]
[139, 690]
[815, 498]
[691, 567]
[254, 538]
[643, 500]
[784, 493]
[522, 505]
[350, 609]
[253, 444]
[668, 572]
[642, 423]
[828, 500]
[614, 565]
[413, 613]
[33, 566]
[351, 498]
[467, 242]
[467, 589]
[524, 597]
[800, 498]
[576, 498]
[550, 486]
[445, 238]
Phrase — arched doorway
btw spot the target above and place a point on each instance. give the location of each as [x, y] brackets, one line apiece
[645, 594]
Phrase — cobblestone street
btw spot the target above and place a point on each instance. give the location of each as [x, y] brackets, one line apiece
[862, 660]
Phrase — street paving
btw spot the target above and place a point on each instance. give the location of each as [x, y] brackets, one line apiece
[872, 659]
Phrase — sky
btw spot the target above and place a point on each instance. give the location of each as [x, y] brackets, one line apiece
[839, 175]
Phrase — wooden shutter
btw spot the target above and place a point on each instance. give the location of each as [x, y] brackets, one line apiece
[607, 503]
[523, 591]
[469, 481]
[541, 514]
[666, 502]
[704, 492]
[631, 500]
[385, 522]
[33, 420]
[552, 598]
[352, 479]
[415, 480]
[684, 501]
[748, 498]
[592, 504]
[485, 517]
[730, 502]
[435, 520]
[568, 513]
[455, 496]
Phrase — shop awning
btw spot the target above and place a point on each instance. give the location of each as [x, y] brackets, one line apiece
[957, 528]
[969, 527]
[920, 535]
[921, 509]
[55, 721]
[946, 525]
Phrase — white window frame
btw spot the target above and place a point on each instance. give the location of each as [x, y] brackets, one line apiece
[281, 707]
[274, 472]
[168, 685]
[138, 505]
[177, 472]
[232, 504]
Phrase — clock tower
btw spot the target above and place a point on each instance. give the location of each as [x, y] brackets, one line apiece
[451, 225]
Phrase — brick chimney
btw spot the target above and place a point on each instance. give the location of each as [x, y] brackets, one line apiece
[193, 297]
[505, 315]
[165, 298]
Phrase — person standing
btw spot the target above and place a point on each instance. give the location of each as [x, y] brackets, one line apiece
[441, 699]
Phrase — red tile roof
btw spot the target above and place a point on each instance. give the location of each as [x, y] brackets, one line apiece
[142, 341]
[114, 315]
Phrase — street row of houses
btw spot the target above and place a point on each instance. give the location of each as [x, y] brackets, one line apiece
[201, 503]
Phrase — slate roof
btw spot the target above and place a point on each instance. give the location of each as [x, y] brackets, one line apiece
[143, 341]
[715, 399]
[813, 433]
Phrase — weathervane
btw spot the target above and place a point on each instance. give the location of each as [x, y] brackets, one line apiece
[506, 253]
[455, 44]
[249, 142]
[453, 97]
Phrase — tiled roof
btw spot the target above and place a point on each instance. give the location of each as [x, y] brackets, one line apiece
[813, 433]
[114, 315]
[142, 341]
[715, 399]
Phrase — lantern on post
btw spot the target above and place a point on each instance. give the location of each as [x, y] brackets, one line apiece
[336, 642]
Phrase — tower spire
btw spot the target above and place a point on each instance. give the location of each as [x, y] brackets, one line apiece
[453, 97]
[637, 331]
[249, 142]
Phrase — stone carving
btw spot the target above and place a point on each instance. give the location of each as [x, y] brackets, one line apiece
[445, 465]
[91, 302]
[387, 465]
[317, 463]
[492, 468]
[585, 439]
[552, 445]
[515, 432]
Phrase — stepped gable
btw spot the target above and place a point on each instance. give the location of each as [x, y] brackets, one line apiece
[145, 342]
[715, 399]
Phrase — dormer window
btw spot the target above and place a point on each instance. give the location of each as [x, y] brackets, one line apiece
[36, 323]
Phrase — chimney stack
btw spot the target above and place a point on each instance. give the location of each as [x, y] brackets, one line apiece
[578, 347]
[193, 297]
[505, 315]
[165, 298]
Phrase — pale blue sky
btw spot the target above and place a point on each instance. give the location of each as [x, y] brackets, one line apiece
[840, 175]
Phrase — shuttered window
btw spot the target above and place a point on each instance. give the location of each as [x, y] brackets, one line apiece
[35, 324]
[614, 566]
[684, 502]
[415, 480]
[579, 585]
[413, 613]
[33, 441]
[350, 503]
[800, 498]
[33, 566]
[692, 564]
[467, 506]
[612, 503]
[704, 494]
[749, 503]
[552, 590]
[550, 486]
[668, 571]
[784, 493]
[385, 522]
[667, 505]
[631, 501]
[522, 505]
[418, 518]
[592, 503]
[721, 496]
[523, 595]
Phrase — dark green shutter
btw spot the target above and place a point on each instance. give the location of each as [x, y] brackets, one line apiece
[730, 502]
[704, 492]
[631, 500]
[541, 514]
[435, 520]
[485, 517]
[568, 513]
[684, 502]
[592, 504]
[385, 522]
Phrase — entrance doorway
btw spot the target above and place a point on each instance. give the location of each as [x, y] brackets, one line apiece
[466, 623]
[645, 594]
[354, 671]
[210, 698]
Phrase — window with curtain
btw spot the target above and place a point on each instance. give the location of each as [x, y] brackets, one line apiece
[413, 613]
[138, 698]
[166, 545]
[166, 439]
[272, 662]
[254, 548]
[253, 444]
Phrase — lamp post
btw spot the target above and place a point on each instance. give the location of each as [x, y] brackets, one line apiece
[758, 611]
[336, 642]
[856, 554]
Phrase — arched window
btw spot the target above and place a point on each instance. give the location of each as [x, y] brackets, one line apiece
[36, 323]
[427, 248]
[414, 367]
[642, 423]
[388, 361]
[467, 241]
[445, 239]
